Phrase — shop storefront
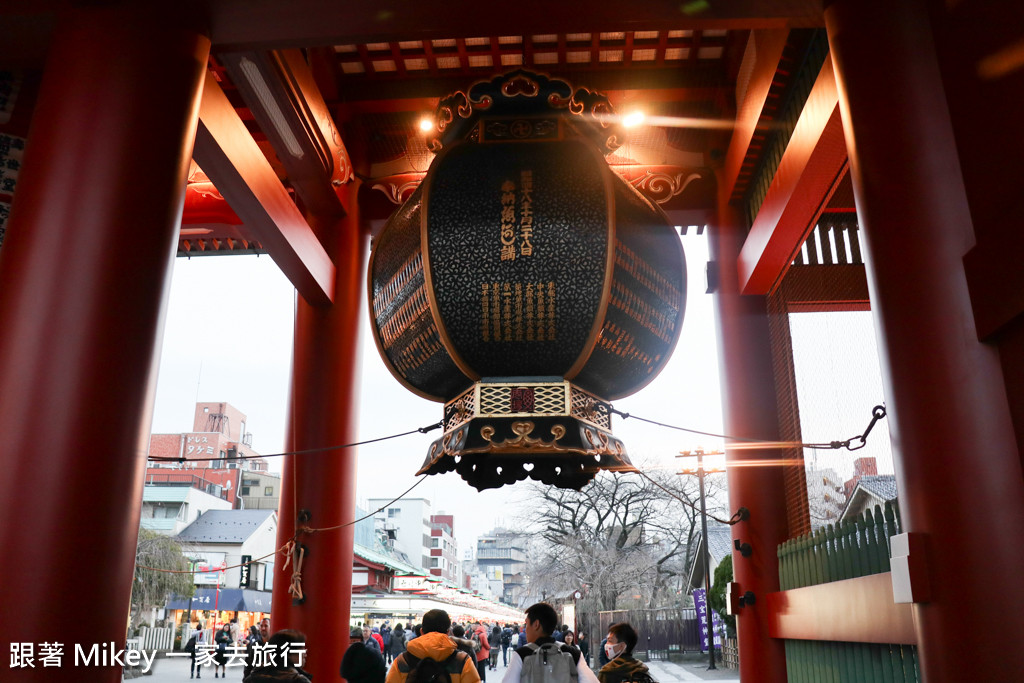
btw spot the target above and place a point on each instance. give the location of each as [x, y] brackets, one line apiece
[213, 607]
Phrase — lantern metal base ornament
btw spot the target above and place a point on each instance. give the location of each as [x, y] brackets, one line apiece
[498, 433]
[525, 284]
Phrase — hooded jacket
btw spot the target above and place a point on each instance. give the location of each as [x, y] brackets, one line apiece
[622, 668]
[397, 644]
[436, 646]
[485, 647]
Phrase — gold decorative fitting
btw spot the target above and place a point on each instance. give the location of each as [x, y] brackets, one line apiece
[522, 442]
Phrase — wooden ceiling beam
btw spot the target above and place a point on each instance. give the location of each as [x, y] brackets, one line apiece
[280, 90]
[229, 156]
[676, 79]
[348, 109]
[811, 166]
[269, 24]
[767, 47]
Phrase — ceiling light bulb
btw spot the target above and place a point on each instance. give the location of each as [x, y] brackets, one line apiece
[633, 119]
[426, 125]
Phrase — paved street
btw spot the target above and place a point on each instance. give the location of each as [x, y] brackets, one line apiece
[174, 670]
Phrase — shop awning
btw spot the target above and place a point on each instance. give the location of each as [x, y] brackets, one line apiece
[229, 600]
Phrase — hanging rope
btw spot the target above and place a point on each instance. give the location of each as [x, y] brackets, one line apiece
[324, 449]
[296, 551]
[852, 444]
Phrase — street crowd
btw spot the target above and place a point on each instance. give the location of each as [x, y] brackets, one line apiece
[433, 651]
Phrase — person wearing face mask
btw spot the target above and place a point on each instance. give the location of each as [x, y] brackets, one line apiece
[619, 649]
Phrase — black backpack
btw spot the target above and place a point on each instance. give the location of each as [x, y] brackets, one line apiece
[429, 670]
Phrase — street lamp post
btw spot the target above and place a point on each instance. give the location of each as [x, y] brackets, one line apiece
[706, 555]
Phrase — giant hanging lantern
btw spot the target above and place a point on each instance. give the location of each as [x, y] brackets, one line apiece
[525, 284]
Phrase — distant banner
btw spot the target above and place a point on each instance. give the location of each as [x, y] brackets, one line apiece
[701, 605]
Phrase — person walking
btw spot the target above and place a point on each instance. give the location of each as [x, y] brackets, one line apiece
[397, 645]
[463, 643]
[622, 666]
[584, 646]
[385, 635]
[195, 642]
[360, 664]
[284, 669]
[558, 658]
[220, 659]
[375, 634]
[433, 654]
[506, 641]
[252, 641]
[483, 654]
[494, 642]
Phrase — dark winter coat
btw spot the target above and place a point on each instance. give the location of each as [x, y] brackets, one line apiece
[397, 644]
[622, 668]
[273, 674]
[362, 665]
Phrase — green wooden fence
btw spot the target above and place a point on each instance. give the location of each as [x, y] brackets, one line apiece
[855, 548]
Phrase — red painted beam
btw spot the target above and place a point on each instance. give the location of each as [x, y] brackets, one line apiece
[767, 46]
[854, 611]
[228, 155]
[812, 163]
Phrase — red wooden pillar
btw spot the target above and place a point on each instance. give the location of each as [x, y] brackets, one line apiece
[83, 277]
[957, 462]
[749, 411]
[325, 381]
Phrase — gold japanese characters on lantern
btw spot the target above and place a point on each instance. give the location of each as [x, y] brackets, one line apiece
[525, 284]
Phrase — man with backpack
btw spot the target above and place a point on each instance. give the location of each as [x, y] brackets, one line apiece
[433, 657]
[541, 659]
[506, 641]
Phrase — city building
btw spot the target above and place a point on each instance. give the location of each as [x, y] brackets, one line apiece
[169, 508]
[229, 538]
[501, 555]
[405, 524]
[233, 471]
[258, 490]
[232, 554]
[423, 539]
[869, 491]
[444, 550]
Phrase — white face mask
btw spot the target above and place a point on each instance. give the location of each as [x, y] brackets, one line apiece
[614, 650]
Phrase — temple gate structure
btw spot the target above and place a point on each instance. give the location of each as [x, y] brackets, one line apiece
[134, 132]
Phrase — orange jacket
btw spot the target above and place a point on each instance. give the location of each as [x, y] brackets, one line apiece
[436, 646]
[485, 647]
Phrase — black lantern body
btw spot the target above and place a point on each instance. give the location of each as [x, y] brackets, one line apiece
[524, 283]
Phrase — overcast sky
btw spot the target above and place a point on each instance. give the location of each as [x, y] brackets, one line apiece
[228, 337]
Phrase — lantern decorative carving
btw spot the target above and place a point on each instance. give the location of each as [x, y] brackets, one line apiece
[525, 284]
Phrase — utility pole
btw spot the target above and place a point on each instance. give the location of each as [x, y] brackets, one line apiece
[699, 453]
